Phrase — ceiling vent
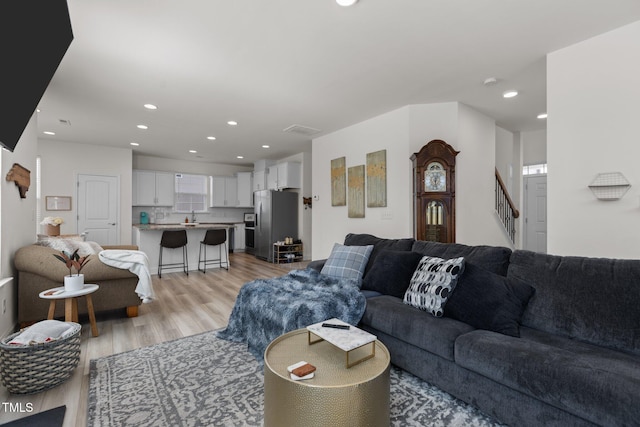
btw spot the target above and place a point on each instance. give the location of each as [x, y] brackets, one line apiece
[302, 130]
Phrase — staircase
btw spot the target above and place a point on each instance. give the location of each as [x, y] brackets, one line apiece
[505, 208]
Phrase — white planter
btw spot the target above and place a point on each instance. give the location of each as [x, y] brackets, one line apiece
[73, 283]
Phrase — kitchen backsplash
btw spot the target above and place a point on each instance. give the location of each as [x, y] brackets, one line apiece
[167, 216]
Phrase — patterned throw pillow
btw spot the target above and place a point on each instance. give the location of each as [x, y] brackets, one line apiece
[432, 283]
[347, 262]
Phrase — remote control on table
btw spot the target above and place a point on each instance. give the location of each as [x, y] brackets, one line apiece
[331, 325]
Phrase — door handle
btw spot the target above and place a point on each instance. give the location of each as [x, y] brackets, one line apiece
[112, 223]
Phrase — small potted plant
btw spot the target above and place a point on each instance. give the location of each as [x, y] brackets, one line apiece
[73, 282]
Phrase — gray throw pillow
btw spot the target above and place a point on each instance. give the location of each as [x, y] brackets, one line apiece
[347, 262]
[432, 283]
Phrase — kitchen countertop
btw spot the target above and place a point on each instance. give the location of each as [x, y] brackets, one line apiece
[190, 226]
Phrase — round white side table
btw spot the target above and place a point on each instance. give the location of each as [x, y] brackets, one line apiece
[71, 303]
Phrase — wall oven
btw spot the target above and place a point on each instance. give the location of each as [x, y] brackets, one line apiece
[249, 226]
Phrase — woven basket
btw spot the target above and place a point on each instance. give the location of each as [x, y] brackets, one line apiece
[27, 369]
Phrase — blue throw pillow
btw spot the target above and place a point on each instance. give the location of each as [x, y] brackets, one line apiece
[347, 262]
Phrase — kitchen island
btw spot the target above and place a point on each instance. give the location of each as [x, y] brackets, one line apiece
[147, 237]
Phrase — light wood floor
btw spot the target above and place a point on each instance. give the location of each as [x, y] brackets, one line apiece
[184, 306]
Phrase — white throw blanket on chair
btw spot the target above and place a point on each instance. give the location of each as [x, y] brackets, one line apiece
[137, 263]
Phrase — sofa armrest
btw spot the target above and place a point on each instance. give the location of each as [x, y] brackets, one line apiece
[317, 264]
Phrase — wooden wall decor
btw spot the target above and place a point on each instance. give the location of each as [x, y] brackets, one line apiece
[339, 182]
[377, 179]
[356, 191]
[434, 189]
[21, 176]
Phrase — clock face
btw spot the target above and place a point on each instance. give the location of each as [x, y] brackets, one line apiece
[435, 177]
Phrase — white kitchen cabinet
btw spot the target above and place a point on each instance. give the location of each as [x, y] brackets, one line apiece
[238, 238]
[224, 191]
[152, 188]
[259, 180]
[245, 189]
[284, 175]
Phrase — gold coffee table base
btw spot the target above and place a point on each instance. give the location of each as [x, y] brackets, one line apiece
[335, 396]
[349, 364]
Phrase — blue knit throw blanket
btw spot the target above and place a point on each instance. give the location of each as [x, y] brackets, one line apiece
[267, 308]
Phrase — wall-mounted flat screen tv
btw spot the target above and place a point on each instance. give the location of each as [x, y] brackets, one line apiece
[34, 36]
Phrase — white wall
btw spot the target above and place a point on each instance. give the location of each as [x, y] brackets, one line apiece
[61, 162]
[593, 93]
[534, 147]
[17, 221]
[476, 220]
[330, 224]
[403, 132]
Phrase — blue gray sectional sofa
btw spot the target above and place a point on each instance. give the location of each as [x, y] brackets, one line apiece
[567, 354]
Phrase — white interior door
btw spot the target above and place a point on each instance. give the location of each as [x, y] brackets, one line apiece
[98, 197]
[535, 211]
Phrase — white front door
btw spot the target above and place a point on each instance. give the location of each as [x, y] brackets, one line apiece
[98, 197]
[535, 211]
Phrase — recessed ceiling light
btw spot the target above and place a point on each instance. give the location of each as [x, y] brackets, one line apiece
[135, 144]
[490, 81]
[542, 116]
[193, 151]
[265, 146]
[232, 123]
[211, 138]
[37, 110]
[143, 127]
[510, 94]
[346, 3]
[47, 132]
[150, 107]
[239, 157]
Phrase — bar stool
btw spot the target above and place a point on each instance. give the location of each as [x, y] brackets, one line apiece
[173, 239]
[213, 237]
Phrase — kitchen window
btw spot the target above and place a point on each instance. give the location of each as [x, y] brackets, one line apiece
[191, 193]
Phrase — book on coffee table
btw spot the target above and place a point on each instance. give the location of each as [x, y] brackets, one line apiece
[343, 336]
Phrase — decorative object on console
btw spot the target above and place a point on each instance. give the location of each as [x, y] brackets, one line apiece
[339, 182]
[52, 225]
[21, 176]
[609, 186]
[355, 180]
[377, 179]
[434, 192]
[432, 283]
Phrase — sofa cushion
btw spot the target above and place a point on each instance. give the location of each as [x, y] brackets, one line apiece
[591, 299]
[434, 334]
[491, 258]
[379, 244]
[432, 283]
[347, 262]
[591, 382]
[392, 272]
[489, 301]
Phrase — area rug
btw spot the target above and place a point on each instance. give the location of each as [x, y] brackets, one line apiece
[203, 380]
[51, 418]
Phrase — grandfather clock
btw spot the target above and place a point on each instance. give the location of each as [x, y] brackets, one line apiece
[434, 187]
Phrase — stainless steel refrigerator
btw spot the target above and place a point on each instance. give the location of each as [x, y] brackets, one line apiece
[276, 218]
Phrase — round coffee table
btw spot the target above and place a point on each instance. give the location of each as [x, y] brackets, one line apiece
[335, 396]
[71, 304]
